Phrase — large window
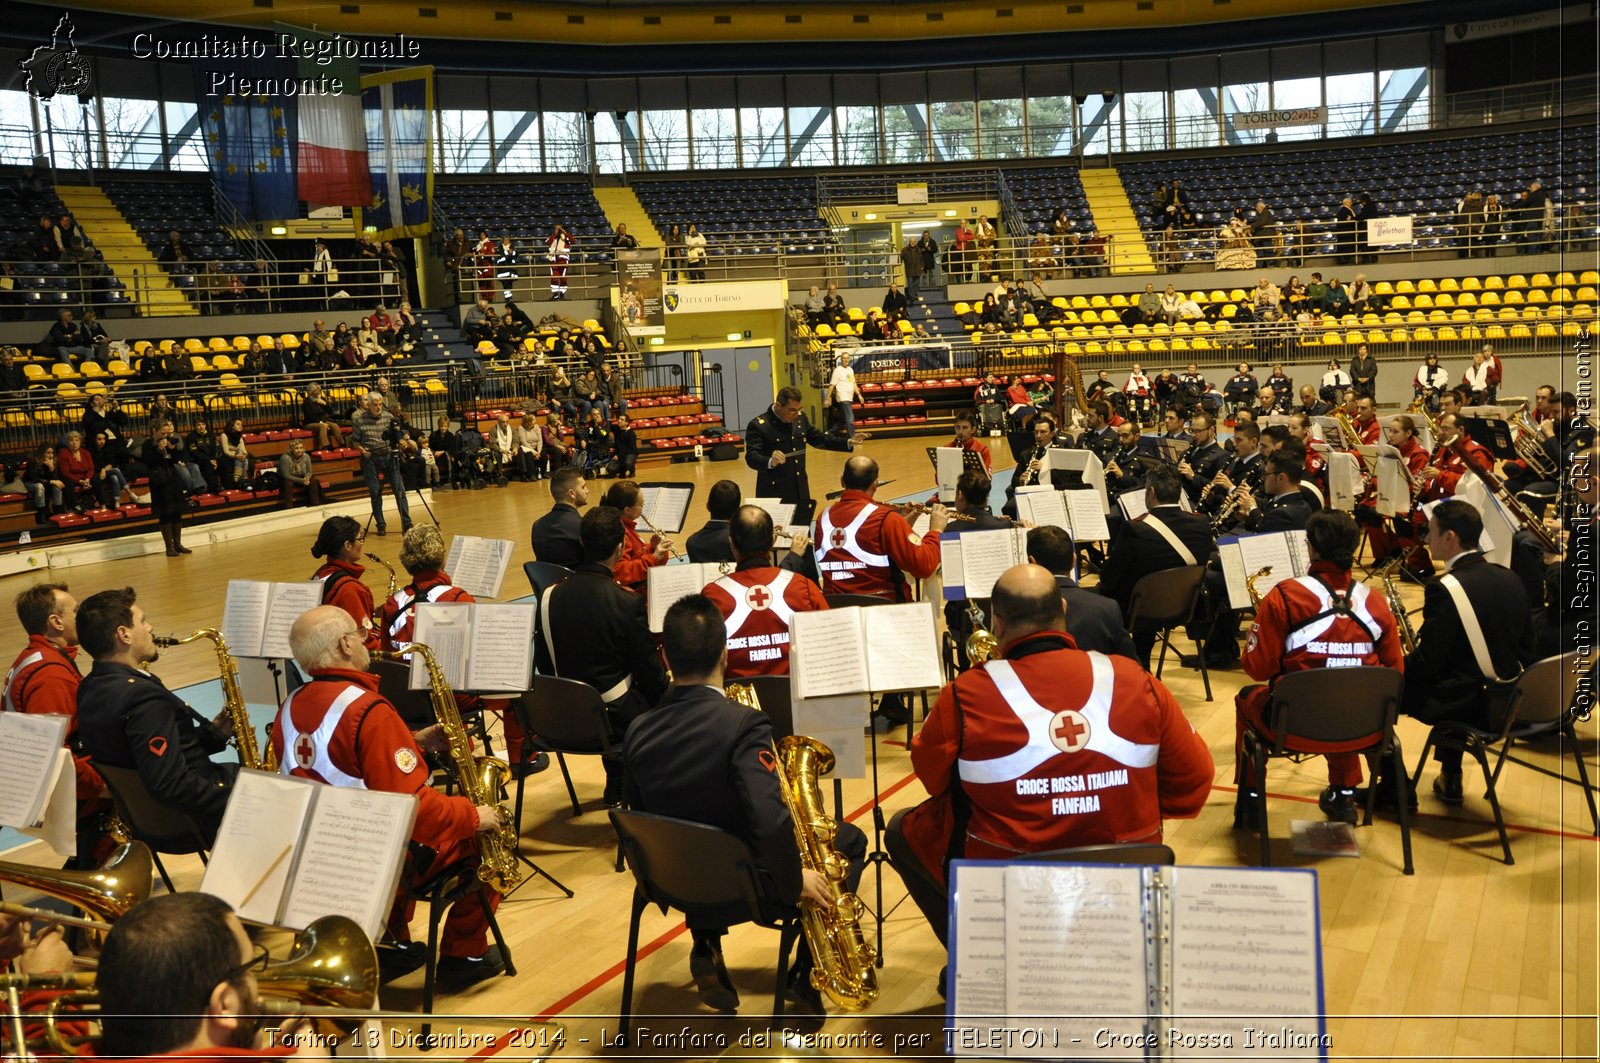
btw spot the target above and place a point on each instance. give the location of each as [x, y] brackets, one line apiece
[761, 136]
[72, 132]
[1000, 130]
[1242, 99]
[955, 130]
[133, 133]
[666, 140]
[811, 136]
[464, 141]
[1350, 111]
[1195, 116]
[1404, 100]
[185, 149]
[516, 135]
[616, 142]
[1296, 93]
[1050, 125]
[716, 138]
[16, 125]
[1097, 117]
[1144, 121]
[905, 132]
[566, 142]
[858, 136]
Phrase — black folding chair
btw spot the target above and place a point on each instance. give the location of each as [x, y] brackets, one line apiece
[1325, 706]
[164, 828]
[561, 716]
[542, 574]
[1542, 702]
[693, 867]
[1166, 600]
[439, 891]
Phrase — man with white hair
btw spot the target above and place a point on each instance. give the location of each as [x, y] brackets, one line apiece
[338, 729]
[376, 433]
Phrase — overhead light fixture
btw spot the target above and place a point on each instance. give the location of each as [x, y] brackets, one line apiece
[949, 213]
[370, 229]
[657, 341]
[872, 217]
[922, 225]
[734, 337]
[280, 230]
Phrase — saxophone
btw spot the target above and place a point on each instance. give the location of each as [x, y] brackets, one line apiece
[1391, 591]
[481, 778]
[844, 961]
[981, 643]
[244, 733]
[394, 584]
[1250, 583]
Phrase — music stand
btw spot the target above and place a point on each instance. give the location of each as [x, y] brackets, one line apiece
[1493, 434]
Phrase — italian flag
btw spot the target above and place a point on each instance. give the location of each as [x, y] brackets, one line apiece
[333, 134]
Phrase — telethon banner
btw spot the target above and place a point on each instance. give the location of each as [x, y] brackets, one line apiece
[1389, 232]
[637, 295]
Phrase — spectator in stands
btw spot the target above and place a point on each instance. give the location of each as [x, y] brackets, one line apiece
[624, 240]
[1364, 373]
[317, 415]
[457, 252]
[1338, 302]
[67, 339]
[672, 255]
[1264, 232]
[12, 377]
[170, 477]
[238, 467]
[1093, 253]
[625, 444]
[1040, 256]
[347, 353]
[260, 290]
[930, 256]
[1148, 307]
[479, 323]
[1282, 385]
[508, 337]
[369, 345]
[613, 389]
[322, 272]
[1171, 305]
[203, 452]
[407, 329]
[558, 454]
[442, 443]
[894, 302]
[1580, 225]
[586, 348]
[815, 309]
[1360, 295]
[384, 326]
[985, 239]
[396, 270]
[833, 306]
[101, 417]
[45, 484]
[1241, 388]
[1366, 210]
[1494, 220]
[295, 479]
[961, 251]
[1344, 229]
[594, 444]
[1430, 381]
[528, 442]
[45, 248]
[589, 395]
[561, 395]
[1530, 221]
[78, 470]
[694, 253]
[1469, 223]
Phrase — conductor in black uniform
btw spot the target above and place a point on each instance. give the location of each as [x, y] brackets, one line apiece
[699, 756]
[555, 535]
[1444, 680]
[128, 719]
[594, 631]
[775, 446]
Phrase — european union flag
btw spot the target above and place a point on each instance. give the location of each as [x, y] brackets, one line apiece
[250, 140]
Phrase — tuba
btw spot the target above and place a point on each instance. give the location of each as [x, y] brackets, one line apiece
[481, 778]
[1525, 437]
[244, 732]
[844, 961]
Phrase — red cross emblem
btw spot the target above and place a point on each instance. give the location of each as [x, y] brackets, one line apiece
[1069, 731]
[305, 752]
[836, 540]
[757, 598]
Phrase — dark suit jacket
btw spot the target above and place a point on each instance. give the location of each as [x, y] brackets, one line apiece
[766, 435]
[1095, 622]
[1141, 550]
[601, 635]
[710, 543]
[1283, 513]
[701, 757]
[555, 537]
[1442, 677]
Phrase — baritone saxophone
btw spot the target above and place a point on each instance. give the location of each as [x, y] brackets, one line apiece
[251, 755]
[844, 968]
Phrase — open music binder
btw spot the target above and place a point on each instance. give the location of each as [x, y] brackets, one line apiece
[1242, 556]
[948, 465]
[478, 646]
[1101, 961]
[666, 505]
[973, 561]
[478, 565]
[292, 850]
[865, 650]
[257, 615]
[666, 584]
[38, 788]
[1078, 512]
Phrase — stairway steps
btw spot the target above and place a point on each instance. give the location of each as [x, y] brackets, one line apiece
[110, 232]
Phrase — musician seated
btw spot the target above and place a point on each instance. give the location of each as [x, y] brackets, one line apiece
[702, 757]
[1310, 404]
[757, 599]
[638, 558]
[177, 978]
[1345, 626]
[864, 547]
[128, 719]
[1093, 621]
[1204, 459]
[1476, 627]
[1564, 605]
[1124, 470]
[1107, 720]
[338, 729]
[1366, 421]
[555, 535]
[1389, 536]
[967, 438]
[710, 543]
[1031, 462]
[23, 952]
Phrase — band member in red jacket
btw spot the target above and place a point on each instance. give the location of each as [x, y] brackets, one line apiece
[864, 547]
[1446, 466]
[44, 679]
[340, 542]
[638, 556]
[967, 438]
[1385, 535]
[1046, 748]
[339, 730]
[1323, 619]
[758, 599]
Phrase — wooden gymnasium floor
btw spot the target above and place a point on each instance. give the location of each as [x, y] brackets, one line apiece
[1469, 958]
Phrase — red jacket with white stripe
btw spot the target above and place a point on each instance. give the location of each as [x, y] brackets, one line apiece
[633, 570]
[1452, 467]
[338, 729]
[864, 547]
[1053, 747]
[44, 678]
[758, 602]
[399, 618]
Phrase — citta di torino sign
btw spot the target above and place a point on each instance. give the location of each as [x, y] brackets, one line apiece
[1291, 116]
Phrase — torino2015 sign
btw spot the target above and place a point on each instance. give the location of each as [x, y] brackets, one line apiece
[1278, 119]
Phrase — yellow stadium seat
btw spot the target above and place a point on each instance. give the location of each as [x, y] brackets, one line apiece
[1423, 301]
[1400, 302]
[1202, 344]
[1447, 333]
[241, 343]
[1080, 332]
[847, 328]
[1561, 295]
[1427, 284]
[1458, 315]
[1495, 282]
[193, 345]
[1589, 276]
[1119, 300]
[1539, 280]
[1355, 337]
[1444, 299]
[229, 380]
[903, 326]
[1059, 302]
[487, 348]
[1467, 299]
[1030, 321]
[1538, 295]
[1080, 302]
[855, 313]
[1383, 288]
[1141, 329]
[1331, 339]
[1520, 332]
[1423, 334]
[1544, 330]
[1490, 298]
[62, 371]
[1098, 301]
[1437, 316]
[118, 367]
[224, 363]
[1565, 278]
[1494, 332]
[289, 341]
[1179, 344]
[1449, 284]
[1471, 284]
[1405, 287]
[1093, 347]
[1514, 297]
[1516, 280]
[91, 368]
[217, 343]
[1136, 347]
[825, 331]
[963, 309]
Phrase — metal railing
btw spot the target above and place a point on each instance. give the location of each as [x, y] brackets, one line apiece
[1520, 103]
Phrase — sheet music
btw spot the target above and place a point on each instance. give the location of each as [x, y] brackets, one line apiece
[1087, 516]
[28, 762]
[985, 555]
[947, 468]
[502, 647]
[477, 565]
[350, 859]
[1062, 924]
[1499, 527]
[1284, 551]
[1344, 479]
[1132, 503]
[902, 646]
[58, 818]
[782, 513]
[666, 505]
[244, 616]
[666, 584]
[828, 652]
[1245, 943]
[950, 566]
[286, 604]
[253, 856]
[1043, 508]
[1088, 465]
[446, 629]
[1394, 480]
[978, 945]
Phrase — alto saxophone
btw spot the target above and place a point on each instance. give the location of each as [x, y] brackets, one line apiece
[844, 961]
[1391, 591]
[481, 778]
[394, 585]
[1250, 583]
[244, 733]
